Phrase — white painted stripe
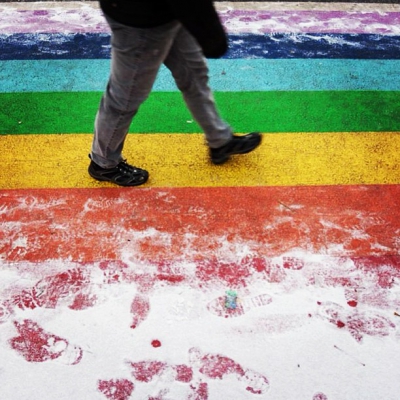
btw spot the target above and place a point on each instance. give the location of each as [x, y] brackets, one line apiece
[221, 6]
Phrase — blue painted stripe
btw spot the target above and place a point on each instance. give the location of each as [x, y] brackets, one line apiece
[272, 46]
[226, 75]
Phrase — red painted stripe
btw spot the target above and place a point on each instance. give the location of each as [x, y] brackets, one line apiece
[193, 224]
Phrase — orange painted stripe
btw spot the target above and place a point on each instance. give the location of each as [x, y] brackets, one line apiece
[88, 225]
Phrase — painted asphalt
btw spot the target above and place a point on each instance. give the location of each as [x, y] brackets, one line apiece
[306, 226]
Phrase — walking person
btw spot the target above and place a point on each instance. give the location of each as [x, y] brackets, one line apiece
[180, 34]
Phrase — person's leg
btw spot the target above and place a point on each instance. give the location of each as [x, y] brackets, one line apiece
[136, 58]
[190, 71]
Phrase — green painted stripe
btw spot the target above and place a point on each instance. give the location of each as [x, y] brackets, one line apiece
[327, 111]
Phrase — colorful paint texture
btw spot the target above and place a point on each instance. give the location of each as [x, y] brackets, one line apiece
[115, 293]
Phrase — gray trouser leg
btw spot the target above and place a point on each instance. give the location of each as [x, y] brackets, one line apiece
[189, 69]
[137, 55]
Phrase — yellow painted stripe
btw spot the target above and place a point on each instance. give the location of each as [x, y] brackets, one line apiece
[181, 160]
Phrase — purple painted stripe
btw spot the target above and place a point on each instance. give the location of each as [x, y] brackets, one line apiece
[90, 20]
[53, 20]
[257, 21]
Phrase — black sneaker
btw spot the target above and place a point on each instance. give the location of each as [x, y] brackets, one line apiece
[123, 174]
[237, 145]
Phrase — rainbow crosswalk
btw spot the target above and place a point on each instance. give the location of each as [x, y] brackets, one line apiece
[320, 197]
